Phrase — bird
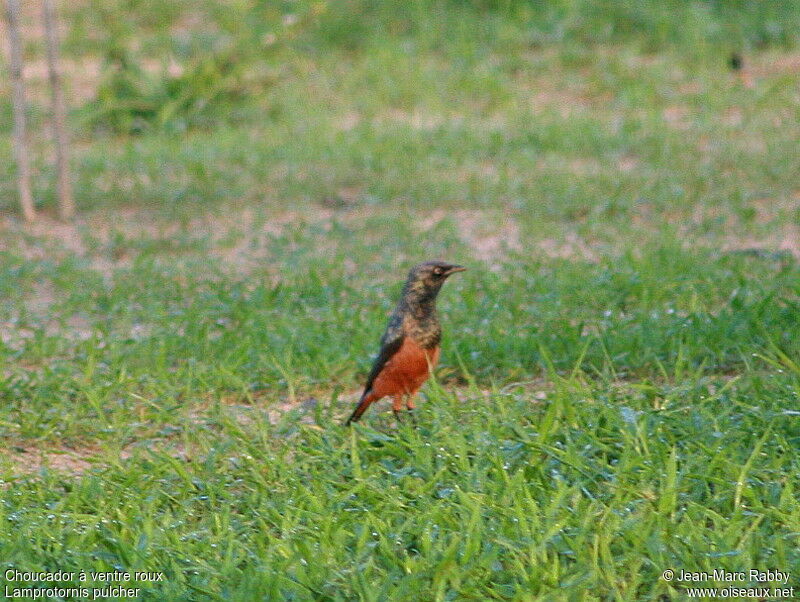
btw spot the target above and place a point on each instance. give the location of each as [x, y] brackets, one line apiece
[409, 349]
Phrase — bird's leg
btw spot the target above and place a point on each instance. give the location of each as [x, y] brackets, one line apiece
[397, 406]
[411, 407]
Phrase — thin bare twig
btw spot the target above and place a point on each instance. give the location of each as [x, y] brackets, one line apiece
[61, 137]
[19, 108]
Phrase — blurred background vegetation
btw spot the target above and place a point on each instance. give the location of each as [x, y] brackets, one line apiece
[297, 99]
[207, 58]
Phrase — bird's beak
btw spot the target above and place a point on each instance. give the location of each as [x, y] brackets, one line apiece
[454, 268]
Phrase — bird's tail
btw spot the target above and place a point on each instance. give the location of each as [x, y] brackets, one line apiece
[363, 404]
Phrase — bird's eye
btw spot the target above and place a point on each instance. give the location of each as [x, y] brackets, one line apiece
[437, 271]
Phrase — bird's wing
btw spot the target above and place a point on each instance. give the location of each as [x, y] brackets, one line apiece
[391, 341]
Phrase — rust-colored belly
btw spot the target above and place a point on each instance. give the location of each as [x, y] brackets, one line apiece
[407, 370]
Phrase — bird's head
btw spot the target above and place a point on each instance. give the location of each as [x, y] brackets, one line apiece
[425, 279]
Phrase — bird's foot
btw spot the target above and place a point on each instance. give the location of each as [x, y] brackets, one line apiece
[401, 417]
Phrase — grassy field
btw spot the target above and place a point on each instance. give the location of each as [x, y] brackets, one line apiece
[618, 394]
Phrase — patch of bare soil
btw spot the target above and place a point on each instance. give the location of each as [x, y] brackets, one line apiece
[678, 117]
[490, 236]
[565, 102]
[771, 214]
[783, 238]
[239, 237]
[417, 119]
[494, 236]
[25, 459]
[234, 236]
[773, 64]
[571, 246]
[30, 460]
[231, 234]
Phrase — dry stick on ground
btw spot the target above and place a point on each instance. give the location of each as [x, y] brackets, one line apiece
[18, 100]
[61, 138]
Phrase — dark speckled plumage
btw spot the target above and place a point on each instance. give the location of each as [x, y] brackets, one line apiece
[414, 323]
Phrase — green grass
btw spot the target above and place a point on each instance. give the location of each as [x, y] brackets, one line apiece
[619, 385]
[592, 490]
[592, 425]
